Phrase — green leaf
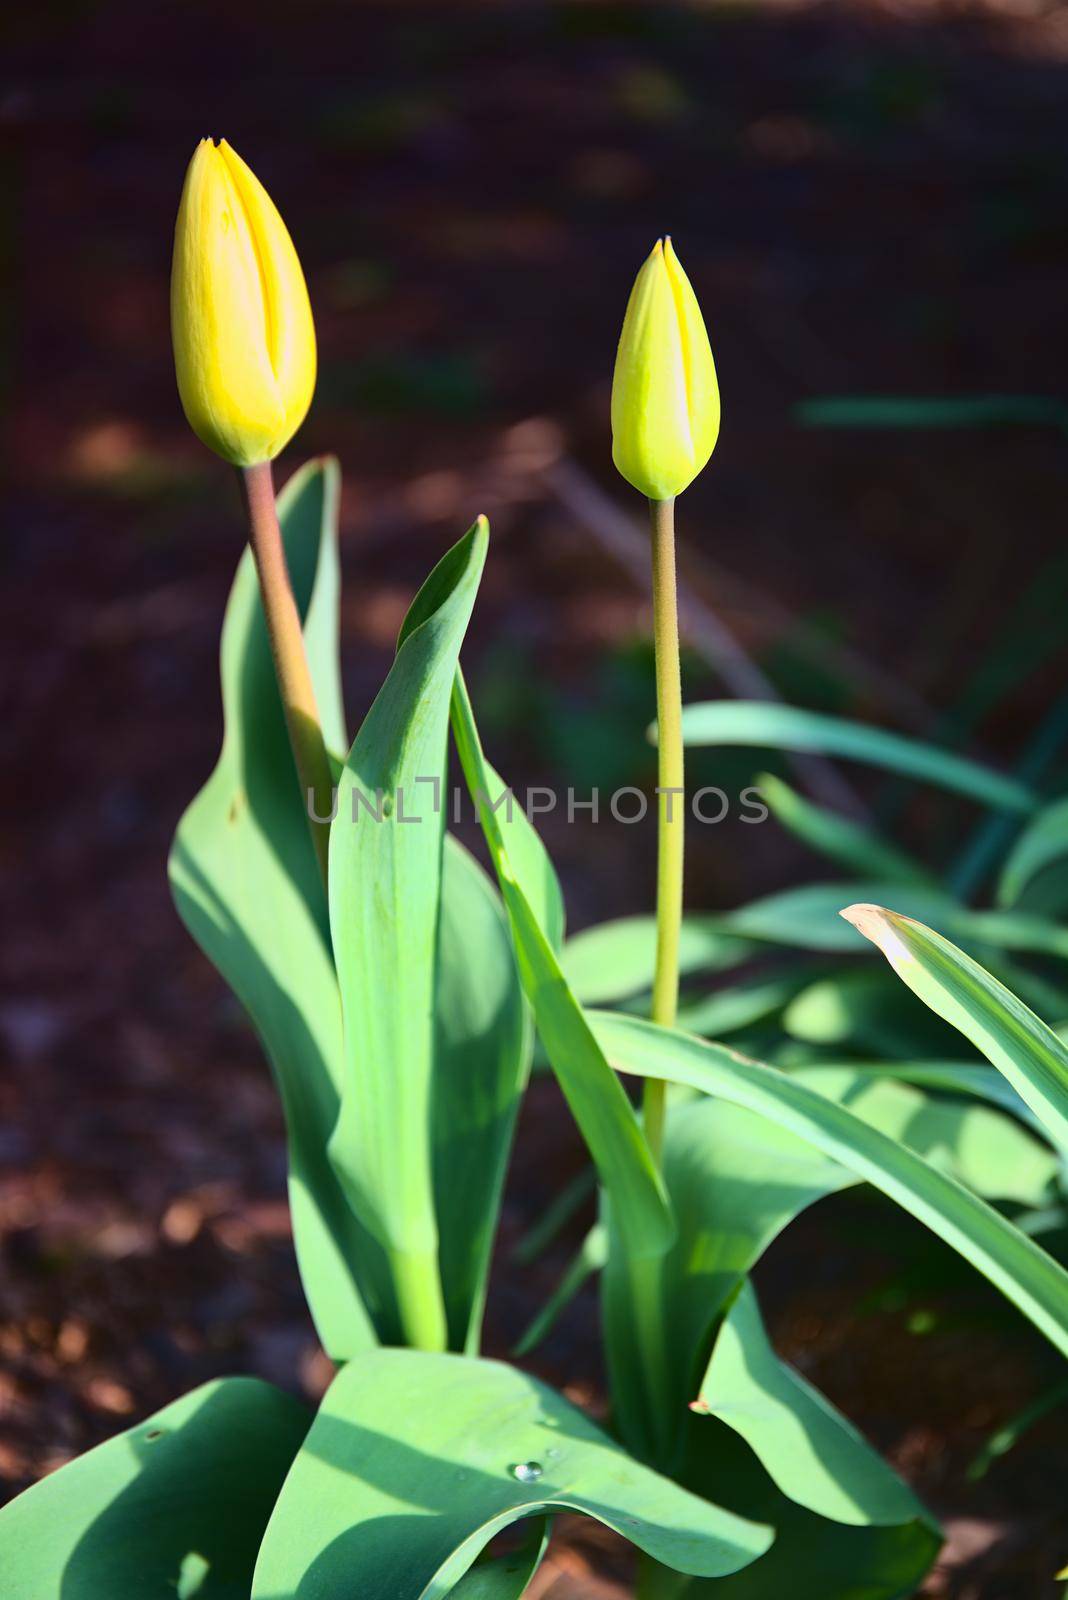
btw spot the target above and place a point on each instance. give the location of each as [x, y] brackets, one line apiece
[386, 845]
[979, 1145]
[809, 1450]
[974, 1079]
[597, 1100]
[589, 1259]
[1042, 845]
[812, 1558]
[505, 1577]
[409, 1471]
[175, 1506]
[921, 411]
[246, 885]
[849, 843]
[808, 918]
[1008, 1435]
[1023, 1272]
[727, 1010]
[483, 1042]
[864, 1009]
[616, 959]
[1012, 1038]
[773, 726]
[736, 1180]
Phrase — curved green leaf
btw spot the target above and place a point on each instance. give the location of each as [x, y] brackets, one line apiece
[971, 1079]
[598, 1103]
[505, 1577]
[174, 1506]
[737, 1179]
[771, 725]
[1023, 1272]
[483, 1044]
[1012, 1038]
[808, 918]
[1042, 844]
[739, 1006]
[590, 1258]
[979, 1145]
[386, 845]
[864, 1009]
[809, 1450]
[246, 885]
[858, 848]
[409, 1471]
[616, 959]
[812, 1558]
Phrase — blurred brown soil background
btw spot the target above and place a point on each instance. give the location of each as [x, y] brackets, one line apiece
[869, 198]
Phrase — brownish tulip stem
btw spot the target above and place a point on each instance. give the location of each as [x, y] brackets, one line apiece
[290, 660]
[671, 809]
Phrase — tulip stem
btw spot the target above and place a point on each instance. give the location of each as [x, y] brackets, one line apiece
[671, 808]
[290, 660]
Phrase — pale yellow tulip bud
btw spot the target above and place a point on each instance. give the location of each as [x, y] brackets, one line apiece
[241, 323]
[665, 398]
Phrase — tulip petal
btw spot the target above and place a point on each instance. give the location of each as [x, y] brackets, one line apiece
[702, 387]
[244, 342]
[290, 329]
[651, 443]
[665, 402]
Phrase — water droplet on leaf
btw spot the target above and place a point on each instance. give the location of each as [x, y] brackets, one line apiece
[527, 1471]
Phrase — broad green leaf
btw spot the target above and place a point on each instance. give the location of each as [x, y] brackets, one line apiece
[530, 860]
[971, 1079]
[410, 1469]
[386, 845]
[813, 1558]
[813, 1455]
[982, 1147]
[482, 1051]
[1012, 1038]
[505, 1577]
[616, 959]
[1042, 845]
[1023, 1272]
[737, 1179]
[741, 1005]
[246, 885]
[773, 726]
[597, 1100]
[808, 918]
[864, 1009]
[858, 848]
[175, 1506]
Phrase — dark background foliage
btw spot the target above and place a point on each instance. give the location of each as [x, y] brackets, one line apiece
[870, 199]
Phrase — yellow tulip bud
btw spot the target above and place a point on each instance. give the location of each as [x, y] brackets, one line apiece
[241, 323]
[665, 398]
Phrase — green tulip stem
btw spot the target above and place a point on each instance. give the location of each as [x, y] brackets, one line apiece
[287, 648]
[671, 808]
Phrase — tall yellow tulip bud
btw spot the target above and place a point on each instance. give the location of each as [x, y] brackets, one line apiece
[665, 398]
[244, 340]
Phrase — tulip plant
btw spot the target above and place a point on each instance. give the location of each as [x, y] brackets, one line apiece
[397, 989]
